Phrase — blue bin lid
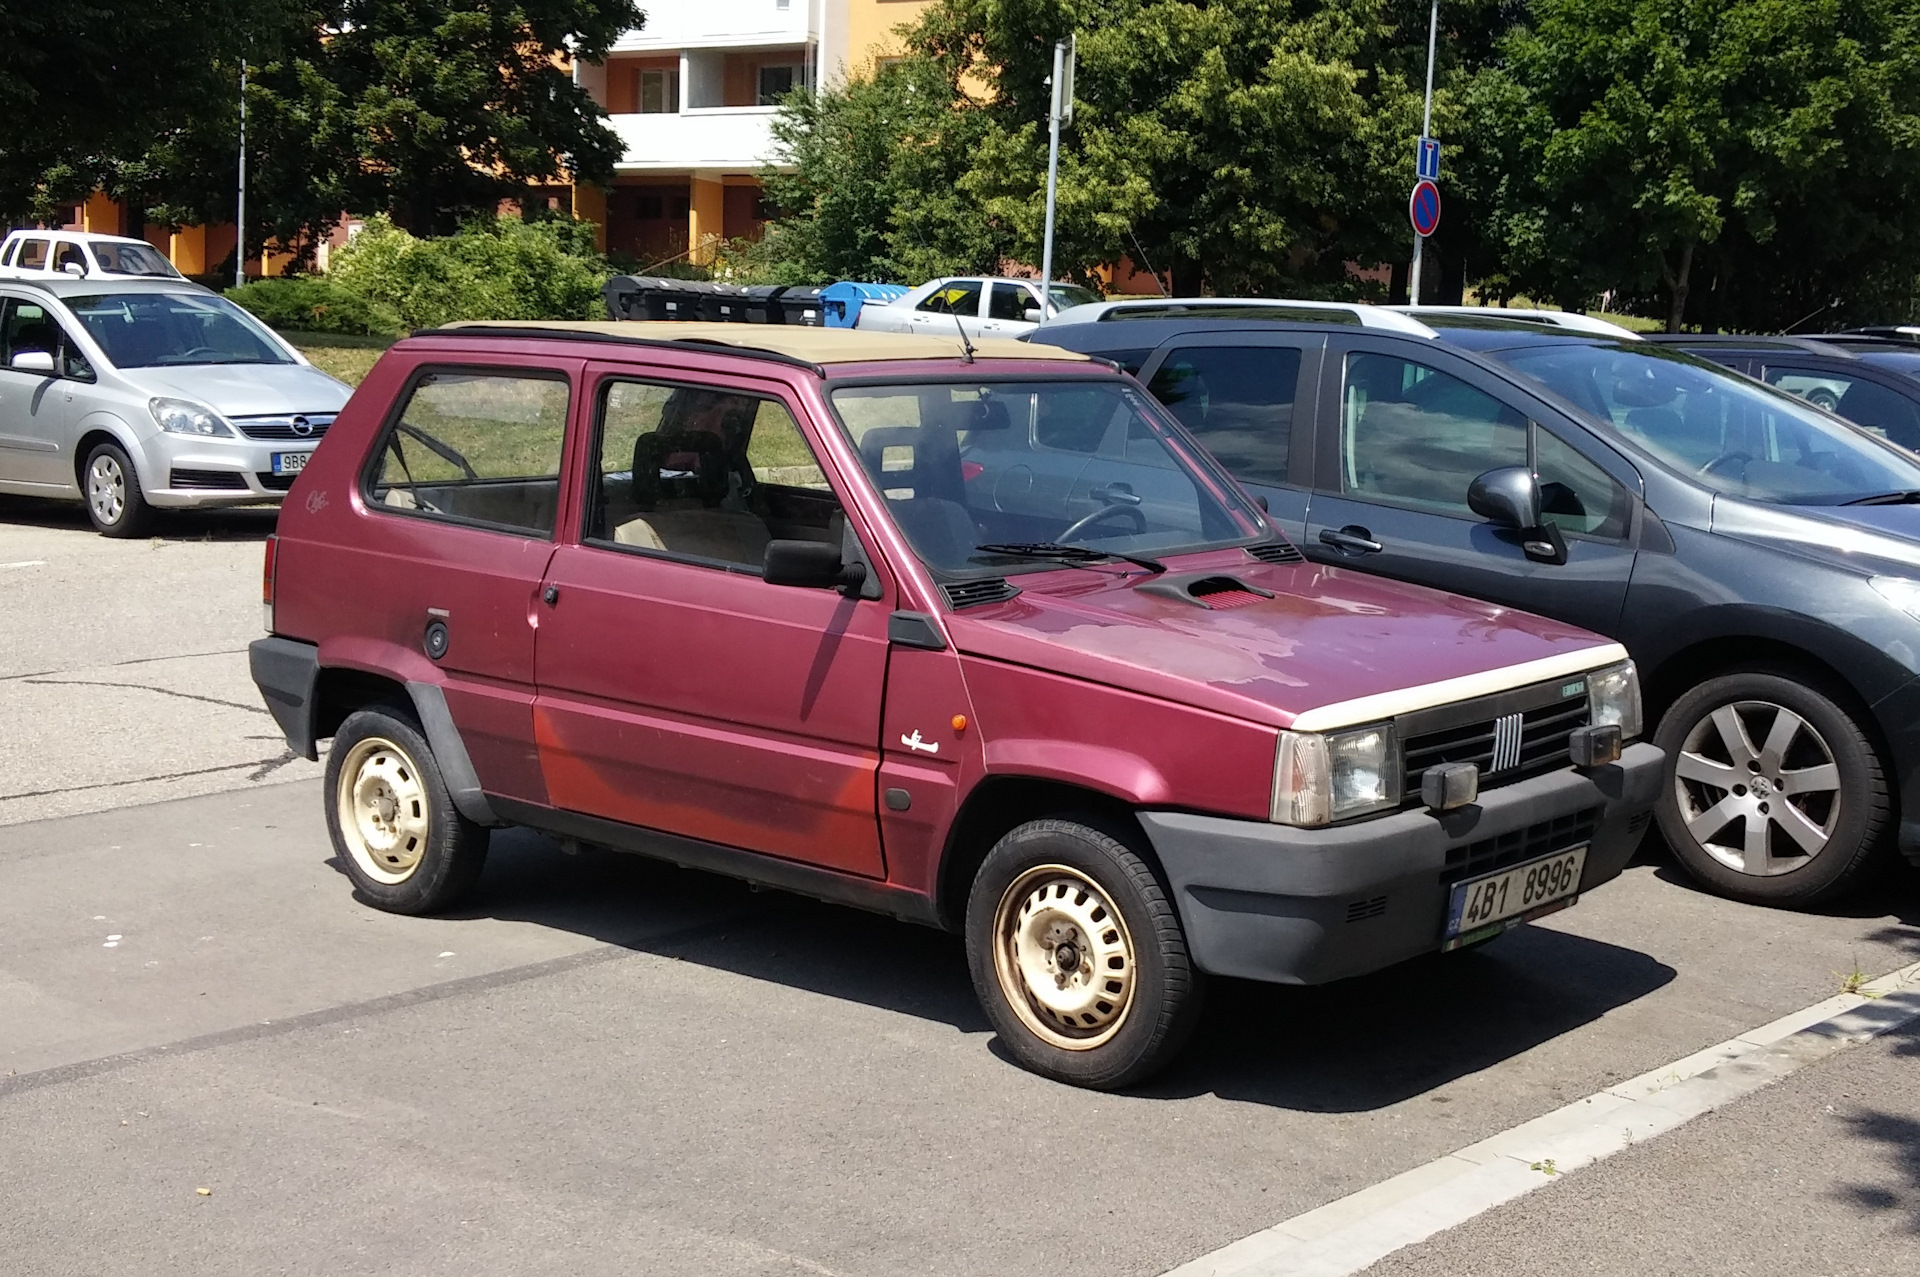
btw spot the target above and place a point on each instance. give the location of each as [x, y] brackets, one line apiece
[847, 290]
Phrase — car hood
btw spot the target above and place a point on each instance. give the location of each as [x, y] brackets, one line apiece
[246, 390]
[1330, 648]
[1859, 537]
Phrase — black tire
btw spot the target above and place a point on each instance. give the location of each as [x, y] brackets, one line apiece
[421, 856]
[1160, 990]
[1853, 815]
[110, 489]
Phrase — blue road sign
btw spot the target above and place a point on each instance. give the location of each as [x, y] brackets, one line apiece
[1426, 160]
[1424, 208]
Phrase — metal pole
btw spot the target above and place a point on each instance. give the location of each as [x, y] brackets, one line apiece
[240, 217]
[1426, 128]
[1053, 177]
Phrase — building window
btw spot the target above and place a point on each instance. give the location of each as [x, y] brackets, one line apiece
[776, 82]
[659, 92]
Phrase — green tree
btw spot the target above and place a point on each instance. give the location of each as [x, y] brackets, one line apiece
[1743, 162]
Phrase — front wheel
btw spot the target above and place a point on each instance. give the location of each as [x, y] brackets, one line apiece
[1078, 956]
[405, 845]
[111, 486]
[1775, 795]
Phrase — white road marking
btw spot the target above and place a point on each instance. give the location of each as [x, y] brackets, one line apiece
[24, 563]
[1347, 1235]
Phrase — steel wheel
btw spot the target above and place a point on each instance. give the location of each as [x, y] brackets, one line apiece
[384, 809]
[106, 488]
[1761, 810]
[1063, 957]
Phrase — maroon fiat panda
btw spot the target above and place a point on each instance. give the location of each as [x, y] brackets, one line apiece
[971, 635]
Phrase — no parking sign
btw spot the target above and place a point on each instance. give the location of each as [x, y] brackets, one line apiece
[1423, 210]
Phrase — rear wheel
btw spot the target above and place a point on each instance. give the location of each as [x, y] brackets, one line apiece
[405, 845]
[1078, 956]
[111, 487]
[1775, 795]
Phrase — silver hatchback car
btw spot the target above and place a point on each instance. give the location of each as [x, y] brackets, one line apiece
[130, 395]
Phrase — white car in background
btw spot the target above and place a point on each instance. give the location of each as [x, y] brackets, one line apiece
[31, 254]
[130, 394]
[982, 306]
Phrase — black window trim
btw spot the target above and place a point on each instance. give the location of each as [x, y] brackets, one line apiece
[373, 461]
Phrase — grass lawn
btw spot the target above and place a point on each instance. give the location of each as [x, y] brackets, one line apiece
[348, 358]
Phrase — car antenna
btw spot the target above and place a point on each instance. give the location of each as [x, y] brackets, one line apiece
[966, 345]
[1141, 255]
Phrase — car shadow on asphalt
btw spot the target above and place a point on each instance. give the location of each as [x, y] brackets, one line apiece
[1353, 1046]
[241, 523]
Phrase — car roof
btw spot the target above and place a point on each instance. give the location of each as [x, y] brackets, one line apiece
[91, 237]
[93, 285]
[1573, 319]
[1274, 309]
[1751, 341]
[792, 342]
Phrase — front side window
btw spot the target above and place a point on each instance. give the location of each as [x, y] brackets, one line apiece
[27, 327]
[1415, 436]
[159, 330]
[708, 475]
[1092, 464]
[1009, 301]
[956, 297]
[1238, 400]
[476, 447]
[1724, 431]
[1865, 403]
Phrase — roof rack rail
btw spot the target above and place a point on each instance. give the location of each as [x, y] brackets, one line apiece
[1569, 319]
[1303, 311]
[1751, 341]
[489, 328]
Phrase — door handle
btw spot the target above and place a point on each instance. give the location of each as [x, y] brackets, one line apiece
[1353, 538]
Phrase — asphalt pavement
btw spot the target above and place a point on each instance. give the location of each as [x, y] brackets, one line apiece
[605, 1064]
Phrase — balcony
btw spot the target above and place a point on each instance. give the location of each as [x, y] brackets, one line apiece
[716, 24]
[735, 139]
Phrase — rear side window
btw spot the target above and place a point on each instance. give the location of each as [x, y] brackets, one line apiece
[1413, 435]
[33, 254]
[961, 297]
[476, 447]
[1238, 400]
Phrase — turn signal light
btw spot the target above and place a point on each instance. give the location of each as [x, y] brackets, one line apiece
[1595, 746]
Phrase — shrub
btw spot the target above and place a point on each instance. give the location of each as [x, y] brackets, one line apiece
[314, 305]
[500, 269]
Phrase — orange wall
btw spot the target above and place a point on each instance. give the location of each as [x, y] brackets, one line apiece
[623, 81]
[870, 25]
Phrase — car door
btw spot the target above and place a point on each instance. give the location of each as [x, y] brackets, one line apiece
[1880, 402]
[950, 309]
[463, 493]
[679, 691]
[37, 404]
[1007, 306]
[1406, 430]
[1241, 395]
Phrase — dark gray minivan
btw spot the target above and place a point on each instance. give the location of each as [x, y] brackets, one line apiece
[1759, 559]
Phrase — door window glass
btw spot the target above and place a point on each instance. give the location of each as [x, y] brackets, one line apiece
[1238, 400]
[659, 92]
[1575, 493]
[960, 297]
[704, 474]
[33, 254]
[776, 82]
[477, 447]
[1865, 403]
[1010, 301]
[1413, 435]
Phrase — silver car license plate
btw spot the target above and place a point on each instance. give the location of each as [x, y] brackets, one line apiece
[1511, 896]
[290, 462]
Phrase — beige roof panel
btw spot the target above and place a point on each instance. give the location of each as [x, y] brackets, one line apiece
[815, 345]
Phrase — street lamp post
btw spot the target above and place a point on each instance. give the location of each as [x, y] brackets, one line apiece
[240, 216]
[1060, 112]
[1426, 130]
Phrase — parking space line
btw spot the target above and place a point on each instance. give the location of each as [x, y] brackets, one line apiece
[1347, 1235]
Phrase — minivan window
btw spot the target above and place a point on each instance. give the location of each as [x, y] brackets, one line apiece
[161, 330]
[1085, 463]
[476, 447]
[1413, 435]
[1730, 434]
[1238, 400]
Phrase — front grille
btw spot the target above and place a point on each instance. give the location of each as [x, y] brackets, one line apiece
[1505, 747]
[287, 427]
[207, 480]
[992, 589]
[1517, 846]
[1276, 552]
[276, 482]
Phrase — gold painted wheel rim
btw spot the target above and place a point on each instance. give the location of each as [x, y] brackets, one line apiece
[385, 815]
[1063, 957]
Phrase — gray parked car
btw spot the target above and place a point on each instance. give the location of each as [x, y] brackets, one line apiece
[130, 395]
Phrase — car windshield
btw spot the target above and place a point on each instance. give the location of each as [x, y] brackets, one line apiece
[161, 330]
[1033, 466]
[1732, 434]
[1065, 295]
[132, 259]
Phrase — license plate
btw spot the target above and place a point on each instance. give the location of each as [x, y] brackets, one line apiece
[290, 462]
[1514, 895]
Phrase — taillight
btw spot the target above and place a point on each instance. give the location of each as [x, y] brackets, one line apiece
[266, 580]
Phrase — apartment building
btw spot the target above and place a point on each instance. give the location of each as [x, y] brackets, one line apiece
[693, 95]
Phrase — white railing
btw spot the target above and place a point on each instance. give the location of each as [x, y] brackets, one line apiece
[735, 138]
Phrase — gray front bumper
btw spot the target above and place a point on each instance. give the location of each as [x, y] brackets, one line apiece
[1305, 906]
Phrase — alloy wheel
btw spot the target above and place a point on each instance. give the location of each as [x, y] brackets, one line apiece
[1765, 809]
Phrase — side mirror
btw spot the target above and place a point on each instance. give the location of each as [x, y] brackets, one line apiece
[811, 565]
[32, 361]
[74, 269]
[1509, 498]
[1033, 314]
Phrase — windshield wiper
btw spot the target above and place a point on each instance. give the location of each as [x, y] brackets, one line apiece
[1909, 497]
[1067, 553]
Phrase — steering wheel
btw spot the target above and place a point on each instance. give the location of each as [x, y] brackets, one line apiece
[1130, 509]
[1725, 458]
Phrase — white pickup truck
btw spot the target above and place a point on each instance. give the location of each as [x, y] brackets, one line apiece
[37, 254]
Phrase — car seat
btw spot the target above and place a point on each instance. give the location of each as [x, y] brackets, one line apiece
[680, 512]
[924, 496]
